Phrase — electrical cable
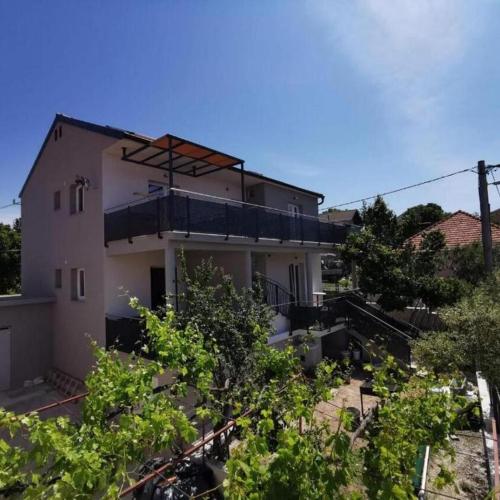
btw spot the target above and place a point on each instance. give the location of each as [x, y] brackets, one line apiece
[401, 189]
[11, 205]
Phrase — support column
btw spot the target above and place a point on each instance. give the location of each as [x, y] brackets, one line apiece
[314, 279]
[171, 279]
[247, 270]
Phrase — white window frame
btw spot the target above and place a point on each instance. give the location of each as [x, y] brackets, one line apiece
[79, 273]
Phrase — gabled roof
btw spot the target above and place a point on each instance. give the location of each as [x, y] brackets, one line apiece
[459, 228]
[342, 216]
[119, 133]
[495, 216]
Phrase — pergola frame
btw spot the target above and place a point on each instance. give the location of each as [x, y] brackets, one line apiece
[177, 155]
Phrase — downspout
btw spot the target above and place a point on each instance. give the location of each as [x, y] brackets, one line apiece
[322, 200]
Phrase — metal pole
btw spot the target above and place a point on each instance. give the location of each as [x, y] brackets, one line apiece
[171, 184]
[242, 170]
[485, 217]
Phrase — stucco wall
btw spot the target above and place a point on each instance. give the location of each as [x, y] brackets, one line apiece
[125, 182]
[130, 275]
[56, 239]
[30, 325]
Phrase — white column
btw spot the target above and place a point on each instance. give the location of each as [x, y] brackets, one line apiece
[247, 270]
[170, 273]
[314, 279]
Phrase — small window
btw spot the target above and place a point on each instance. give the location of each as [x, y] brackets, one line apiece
[77, 198]
[78, 284]
[57, 200]
[58, 278]
[55, 134]
[156, 188]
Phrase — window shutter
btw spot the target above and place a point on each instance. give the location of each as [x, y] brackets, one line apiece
[74, 284]
[72, 199]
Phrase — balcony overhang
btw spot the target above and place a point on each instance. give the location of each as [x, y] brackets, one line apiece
[172, 153]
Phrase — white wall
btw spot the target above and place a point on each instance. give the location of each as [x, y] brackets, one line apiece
[236, 263]
[60, 240]
[122, 179]
[130, 275]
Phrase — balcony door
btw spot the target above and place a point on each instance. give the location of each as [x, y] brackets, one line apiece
[297, 280]
[157, 287]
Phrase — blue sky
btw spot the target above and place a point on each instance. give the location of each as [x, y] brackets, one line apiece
[348, 98]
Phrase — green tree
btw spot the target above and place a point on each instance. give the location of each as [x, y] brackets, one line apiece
[235, 326]
[381, 221]
[285, 452]
[470, 340]
[124, 420]
[467, 262]
[10, 257]
[418, 218]
[398, 275]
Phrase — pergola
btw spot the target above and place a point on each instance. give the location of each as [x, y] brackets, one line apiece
[177, 155]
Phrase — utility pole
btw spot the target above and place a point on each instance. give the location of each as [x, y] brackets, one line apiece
[485, 216]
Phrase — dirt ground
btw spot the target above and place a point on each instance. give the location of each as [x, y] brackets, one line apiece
[469, 468]
[346, 396]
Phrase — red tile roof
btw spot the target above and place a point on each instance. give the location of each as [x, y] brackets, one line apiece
[460, 228]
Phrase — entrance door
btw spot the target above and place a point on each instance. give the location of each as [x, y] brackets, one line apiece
[157, 287]
[4, 359]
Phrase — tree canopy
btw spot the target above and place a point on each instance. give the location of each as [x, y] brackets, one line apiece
[10, 257]
[470, 340]
[418, 218]
[398, 275]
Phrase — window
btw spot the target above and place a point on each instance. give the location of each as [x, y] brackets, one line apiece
[58, 278]
[77, 284]
[77, 198]
[57, 200]
[156, 188]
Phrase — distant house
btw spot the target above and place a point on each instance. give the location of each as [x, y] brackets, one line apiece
[495, 216]
[342, 217]
[459, 229]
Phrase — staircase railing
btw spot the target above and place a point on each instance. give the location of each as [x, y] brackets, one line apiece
[274, 294]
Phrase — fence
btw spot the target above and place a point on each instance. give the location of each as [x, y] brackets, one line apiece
[196, 213]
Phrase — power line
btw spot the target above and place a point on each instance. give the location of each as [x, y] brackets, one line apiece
[401, 189]
[14, 203]
[495, 181]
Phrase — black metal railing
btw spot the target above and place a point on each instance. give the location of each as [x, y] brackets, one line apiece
[194, 213]
[376, 327]
[126, 334]
[274, 294]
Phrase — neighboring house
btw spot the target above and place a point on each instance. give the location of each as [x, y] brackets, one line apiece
[106, 213]
[352, 217]
[332, 266]
[495, 216]
[459, 229]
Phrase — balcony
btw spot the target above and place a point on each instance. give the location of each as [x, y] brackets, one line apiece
[194, 213]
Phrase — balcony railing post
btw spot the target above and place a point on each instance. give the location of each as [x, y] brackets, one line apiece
[226, 220]
[158, 218]
[257, 228]
[319, 232]
[301, 230]
[106, 219]
[171, 211]
[281, 227]
[129, 237]
[188, 216]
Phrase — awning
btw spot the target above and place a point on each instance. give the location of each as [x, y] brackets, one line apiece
[188, 158]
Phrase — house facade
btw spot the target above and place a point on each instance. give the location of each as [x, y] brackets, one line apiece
[107, 213]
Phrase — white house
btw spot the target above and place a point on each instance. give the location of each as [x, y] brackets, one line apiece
[106, 210]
